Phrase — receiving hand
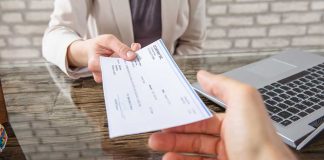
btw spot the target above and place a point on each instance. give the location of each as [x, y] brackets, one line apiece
[243, 132]
[87, 53]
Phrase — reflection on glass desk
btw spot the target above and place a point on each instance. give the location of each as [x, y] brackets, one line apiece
[12, 149]
[54, 117]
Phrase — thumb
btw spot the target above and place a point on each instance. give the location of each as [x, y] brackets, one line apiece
[213, 84]
[219, 85]
[121, 49]
[230, 91]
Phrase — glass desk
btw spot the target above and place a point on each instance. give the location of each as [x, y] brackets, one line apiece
[54, 117]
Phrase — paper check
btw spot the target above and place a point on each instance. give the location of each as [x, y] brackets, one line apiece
[149, 93]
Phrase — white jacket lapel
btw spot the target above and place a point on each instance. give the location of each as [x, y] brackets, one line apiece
[122, 13]
[169, 14]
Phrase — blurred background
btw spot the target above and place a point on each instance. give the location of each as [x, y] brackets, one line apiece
[235, 27]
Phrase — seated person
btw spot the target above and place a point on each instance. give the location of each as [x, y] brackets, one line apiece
[81, 31]
[244, 132]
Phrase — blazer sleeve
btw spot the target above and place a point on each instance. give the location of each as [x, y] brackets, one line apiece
[68, 23]
[192, 40]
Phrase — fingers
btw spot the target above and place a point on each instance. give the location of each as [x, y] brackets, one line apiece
[136, 46]
[97, 77]
[94, 67]
[216, 85]
[190, 143]
[223, 87]
[118, 47]
[176, 156]
[221, 150]
[108, 45]
[208, 126]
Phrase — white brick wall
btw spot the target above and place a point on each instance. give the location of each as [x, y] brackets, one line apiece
[22, 23]
[2, 43]
[12, 4]
[267, 42]
[317, 5]
[33, 29]
[4, 30]
[247, 32]
[287, 30]
[268, 19]
[308, 41]
[242, 43]
[12, 54]
[12, 17]
[227, 21]
[217, 44]
[288, 6]
[19, 41]
[301, 18]
[233, 26]
[316, 29]
[264, 25]
[245, 8]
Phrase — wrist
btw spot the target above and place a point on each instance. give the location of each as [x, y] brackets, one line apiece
[77, 55]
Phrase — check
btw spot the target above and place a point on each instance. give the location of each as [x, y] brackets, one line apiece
[149, 93]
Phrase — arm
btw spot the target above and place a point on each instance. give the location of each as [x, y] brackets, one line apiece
[243, 132]
[67, 24]
[194, 36]
[65, 42]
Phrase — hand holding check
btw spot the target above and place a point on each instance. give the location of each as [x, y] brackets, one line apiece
[244, 128]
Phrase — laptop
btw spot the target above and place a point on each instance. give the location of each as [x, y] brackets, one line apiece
[292, 86]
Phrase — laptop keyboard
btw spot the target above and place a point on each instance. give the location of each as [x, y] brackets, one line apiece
[295, 97]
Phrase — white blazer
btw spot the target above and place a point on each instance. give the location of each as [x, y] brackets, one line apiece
[183, 27]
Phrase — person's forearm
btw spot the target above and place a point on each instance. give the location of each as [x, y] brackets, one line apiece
[77, 55]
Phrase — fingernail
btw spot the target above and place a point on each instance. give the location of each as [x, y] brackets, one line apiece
[139, 46]
[205, 73]
[203, 76]
[130, 54]
[201, 73]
